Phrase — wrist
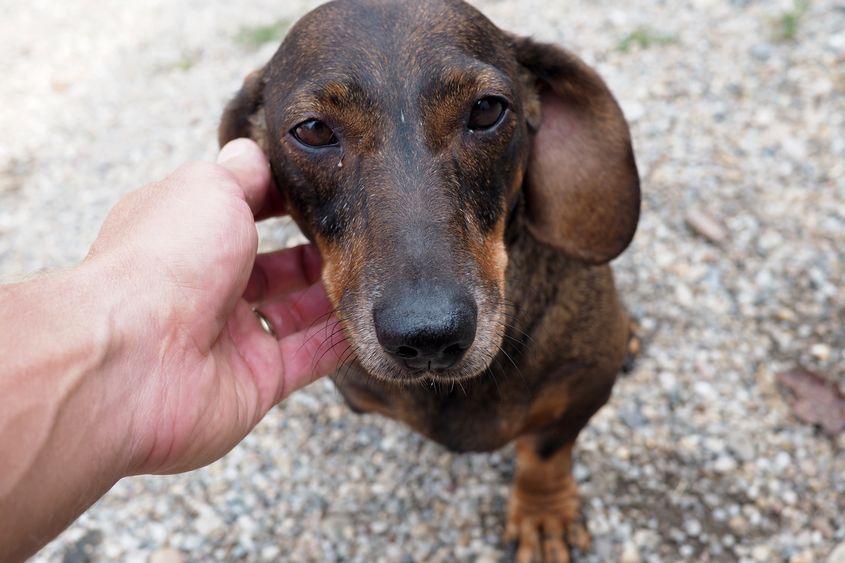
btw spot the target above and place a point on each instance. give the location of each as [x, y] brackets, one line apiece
[115, 359]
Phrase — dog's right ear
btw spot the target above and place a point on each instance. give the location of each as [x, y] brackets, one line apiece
[244, 115]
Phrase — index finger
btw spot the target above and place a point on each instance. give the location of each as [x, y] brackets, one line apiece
[283, 271]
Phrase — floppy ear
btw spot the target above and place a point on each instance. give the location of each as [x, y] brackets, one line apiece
[244, 115]
[582, 189]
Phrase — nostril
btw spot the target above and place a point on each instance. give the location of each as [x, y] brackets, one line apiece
[454, 350]
[406, 352]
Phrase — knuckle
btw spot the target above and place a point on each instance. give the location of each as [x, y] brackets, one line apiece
[204, 173]
[206, 178]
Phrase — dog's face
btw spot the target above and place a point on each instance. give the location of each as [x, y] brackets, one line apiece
[401, 134]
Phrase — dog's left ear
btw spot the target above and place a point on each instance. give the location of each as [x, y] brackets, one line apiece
[582, 188]
[244, 114]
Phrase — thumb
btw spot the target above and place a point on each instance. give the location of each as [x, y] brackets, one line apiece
[245, 160]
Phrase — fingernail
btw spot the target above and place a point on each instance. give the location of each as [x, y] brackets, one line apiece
[232, 150]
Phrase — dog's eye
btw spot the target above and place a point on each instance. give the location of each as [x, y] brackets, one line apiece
[314, 133]
[487, 113]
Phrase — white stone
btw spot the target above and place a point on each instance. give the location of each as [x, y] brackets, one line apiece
[820, 351]
[208, 523]
[725, 464]
[761, 553]
[692, 527]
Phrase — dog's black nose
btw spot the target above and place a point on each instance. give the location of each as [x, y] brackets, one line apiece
[426, 329]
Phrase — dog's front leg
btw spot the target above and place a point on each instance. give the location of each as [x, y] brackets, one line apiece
[544, 515]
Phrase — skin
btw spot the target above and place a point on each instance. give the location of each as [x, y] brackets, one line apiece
[524, 216]
[147, 357]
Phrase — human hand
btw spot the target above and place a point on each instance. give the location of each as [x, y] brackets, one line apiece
[202, 370]
[148, 358]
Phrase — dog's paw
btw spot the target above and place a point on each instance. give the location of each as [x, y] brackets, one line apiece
[544, 531]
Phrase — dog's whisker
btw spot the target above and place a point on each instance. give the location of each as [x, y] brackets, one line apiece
[315, 333]
[343, 357]
[519, 374]
[523, 346]
[330, 339]
[348, 362]
[495, 364]
[316, 362]
[461, 385]
[508, 356]
[510, 310]
[324, 341]
[347, 355]
[321, 317]
[522, 332]
[507, 328]
[495, 381]
[326, 326]
[502, 369]
[347, 359]
[514, 340]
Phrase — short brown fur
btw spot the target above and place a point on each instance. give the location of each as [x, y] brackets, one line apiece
[527, 217]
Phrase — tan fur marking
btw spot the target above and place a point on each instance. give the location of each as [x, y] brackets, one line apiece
[258, 129]
[545, 509]
[340, 265]
[547, 408]
[491, 255]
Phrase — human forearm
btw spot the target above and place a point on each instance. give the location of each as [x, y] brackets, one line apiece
[58, 384]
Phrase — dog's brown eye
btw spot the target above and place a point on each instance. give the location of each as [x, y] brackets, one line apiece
[486, 113]
[314, 133]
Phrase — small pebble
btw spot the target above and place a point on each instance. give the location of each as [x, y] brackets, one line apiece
[706, 226]
[820, 351]
[166, 555]
[630, 553]
[725, 464]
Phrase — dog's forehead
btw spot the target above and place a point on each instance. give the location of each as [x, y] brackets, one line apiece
[376, 39]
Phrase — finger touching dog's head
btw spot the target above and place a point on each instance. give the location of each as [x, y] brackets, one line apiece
[403, 134]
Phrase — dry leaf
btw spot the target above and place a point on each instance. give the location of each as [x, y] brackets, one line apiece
[815, 400]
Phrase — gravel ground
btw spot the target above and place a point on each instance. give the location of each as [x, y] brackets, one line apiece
[738, 115]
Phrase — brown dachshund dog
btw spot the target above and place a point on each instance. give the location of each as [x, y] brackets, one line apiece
[466, 188]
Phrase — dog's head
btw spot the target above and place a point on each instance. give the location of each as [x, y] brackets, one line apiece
[403, 136]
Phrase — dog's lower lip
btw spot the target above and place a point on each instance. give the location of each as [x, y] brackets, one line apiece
[424, 374]
[433, 376]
